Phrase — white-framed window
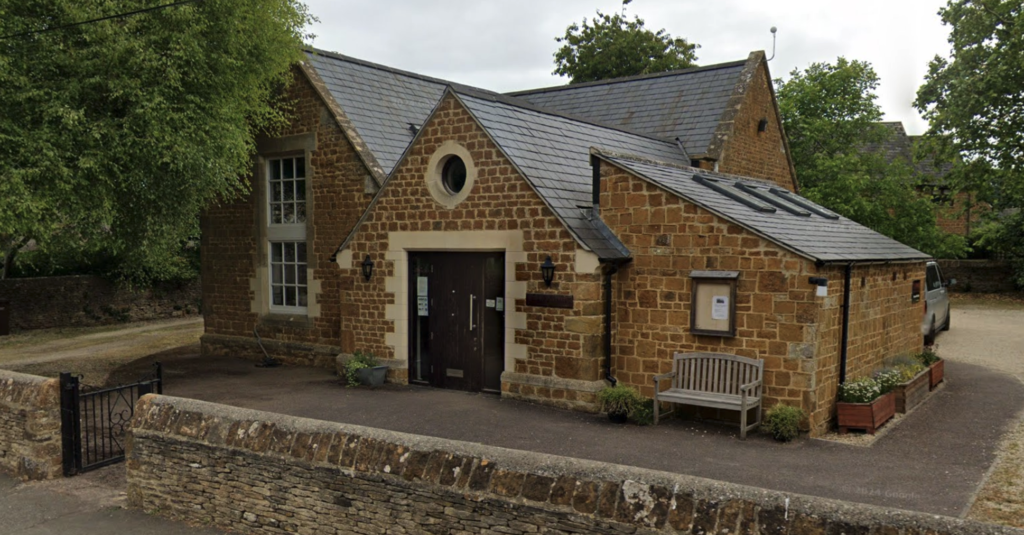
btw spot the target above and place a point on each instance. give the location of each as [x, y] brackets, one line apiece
[286, 234]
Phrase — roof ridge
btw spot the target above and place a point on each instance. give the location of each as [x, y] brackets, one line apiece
[380, 67]
[622, 79]
[517, 102]
[651, 161]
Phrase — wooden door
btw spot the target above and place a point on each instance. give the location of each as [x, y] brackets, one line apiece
[457, 320]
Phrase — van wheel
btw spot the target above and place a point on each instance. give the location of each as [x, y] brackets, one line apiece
[929, 338]
[948, 319]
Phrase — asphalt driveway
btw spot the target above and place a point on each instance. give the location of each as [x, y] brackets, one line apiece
[934, 461]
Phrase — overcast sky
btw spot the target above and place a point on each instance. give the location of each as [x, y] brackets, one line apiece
[506, 45]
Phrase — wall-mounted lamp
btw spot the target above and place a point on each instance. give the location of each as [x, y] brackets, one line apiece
[367, 268]
[822, 284]
[762, 125]
[547, 270]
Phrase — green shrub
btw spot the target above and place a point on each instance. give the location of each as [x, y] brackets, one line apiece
[863, 390]
[358, 361]
[927, 357]
[643, 412]
[619, 399]
[783, 422]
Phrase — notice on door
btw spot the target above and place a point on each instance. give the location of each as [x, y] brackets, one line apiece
[421, 286]
[422, 303]
[720, 307]
[421, 306]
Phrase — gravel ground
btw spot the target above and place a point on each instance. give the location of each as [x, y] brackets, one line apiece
[95, 353]
[990, 332]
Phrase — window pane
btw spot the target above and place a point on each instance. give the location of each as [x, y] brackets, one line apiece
[278, 274]
[289, 296]
[289, 191]
[275, 252]
[302, 296]
[300, 167]
[275, 170]
[289, 169]
[289, 252]
[276, 192]
[300, 190]
[302, 252]
[275, 214]
[289, 274]
[302, 274]
[300, 212]
[278, 295]
[289, 213]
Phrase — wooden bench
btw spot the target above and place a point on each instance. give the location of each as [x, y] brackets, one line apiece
[713, 380]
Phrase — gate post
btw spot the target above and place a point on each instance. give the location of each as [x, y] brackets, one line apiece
[70, 424]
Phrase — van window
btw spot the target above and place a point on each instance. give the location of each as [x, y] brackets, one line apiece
[934, 281]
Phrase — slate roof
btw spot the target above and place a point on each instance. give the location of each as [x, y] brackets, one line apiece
[899, 145]
[381, 102]
[553, 153]
[686, 104]
[814, 236]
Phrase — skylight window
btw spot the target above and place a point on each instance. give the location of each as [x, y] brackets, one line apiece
[745, 200]
[806, 205]
[775, 201]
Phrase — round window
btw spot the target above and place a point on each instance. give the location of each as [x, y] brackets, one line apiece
[454, 174]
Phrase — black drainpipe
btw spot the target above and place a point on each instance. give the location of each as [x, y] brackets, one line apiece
[608, 274]
[846, 323]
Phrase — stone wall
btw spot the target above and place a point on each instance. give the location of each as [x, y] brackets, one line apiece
[982, 276]
[259, 472]
[748, 152]
[30, 442]
[85, 300]
[234, 249]
[552, 355]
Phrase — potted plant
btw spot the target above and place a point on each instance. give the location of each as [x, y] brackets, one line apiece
[864, 405]
[619, 402]
[936, 367]
[364, 369]
[913, 386]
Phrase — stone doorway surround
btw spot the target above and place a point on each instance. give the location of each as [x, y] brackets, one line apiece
[400, 244]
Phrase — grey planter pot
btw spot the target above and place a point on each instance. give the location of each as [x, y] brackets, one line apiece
[372, 376]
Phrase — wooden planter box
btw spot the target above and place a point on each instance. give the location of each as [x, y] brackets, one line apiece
[866, 416]
[937, 371]
[911, 393]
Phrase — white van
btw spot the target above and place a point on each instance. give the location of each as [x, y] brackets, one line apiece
[936, 312]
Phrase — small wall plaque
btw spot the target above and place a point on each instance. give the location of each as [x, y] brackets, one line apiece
[549, 300]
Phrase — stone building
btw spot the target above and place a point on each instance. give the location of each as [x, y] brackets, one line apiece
[539, 244]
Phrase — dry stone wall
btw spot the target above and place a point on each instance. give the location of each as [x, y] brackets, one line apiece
[85, 300]
[259, 472]
[30, 442]
[981, 276]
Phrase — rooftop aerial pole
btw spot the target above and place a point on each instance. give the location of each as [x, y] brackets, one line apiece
[773, 30]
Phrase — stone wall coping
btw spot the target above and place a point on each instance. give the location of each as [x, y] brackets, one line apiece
[209, 423]
[25, 379]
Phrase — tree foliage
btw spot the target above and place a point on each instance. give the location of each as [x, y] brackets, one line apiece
[974, 101]
[612, 46]
[831, 116]
[115, 134]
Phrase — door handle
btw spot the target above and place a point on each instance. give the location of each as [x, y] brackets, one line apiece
[471, 299]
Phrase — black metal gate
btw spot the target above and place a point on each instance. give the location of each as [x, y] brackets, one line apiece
[94, 424]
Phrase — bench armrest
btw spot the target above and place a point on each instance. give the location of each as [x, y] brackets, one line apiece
[750, 386]
[664, 376]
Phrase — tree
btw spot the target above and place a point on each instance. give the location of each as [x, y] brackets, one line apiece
[612, 46]
[116, 133]
[831, 117]
[974, 101]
